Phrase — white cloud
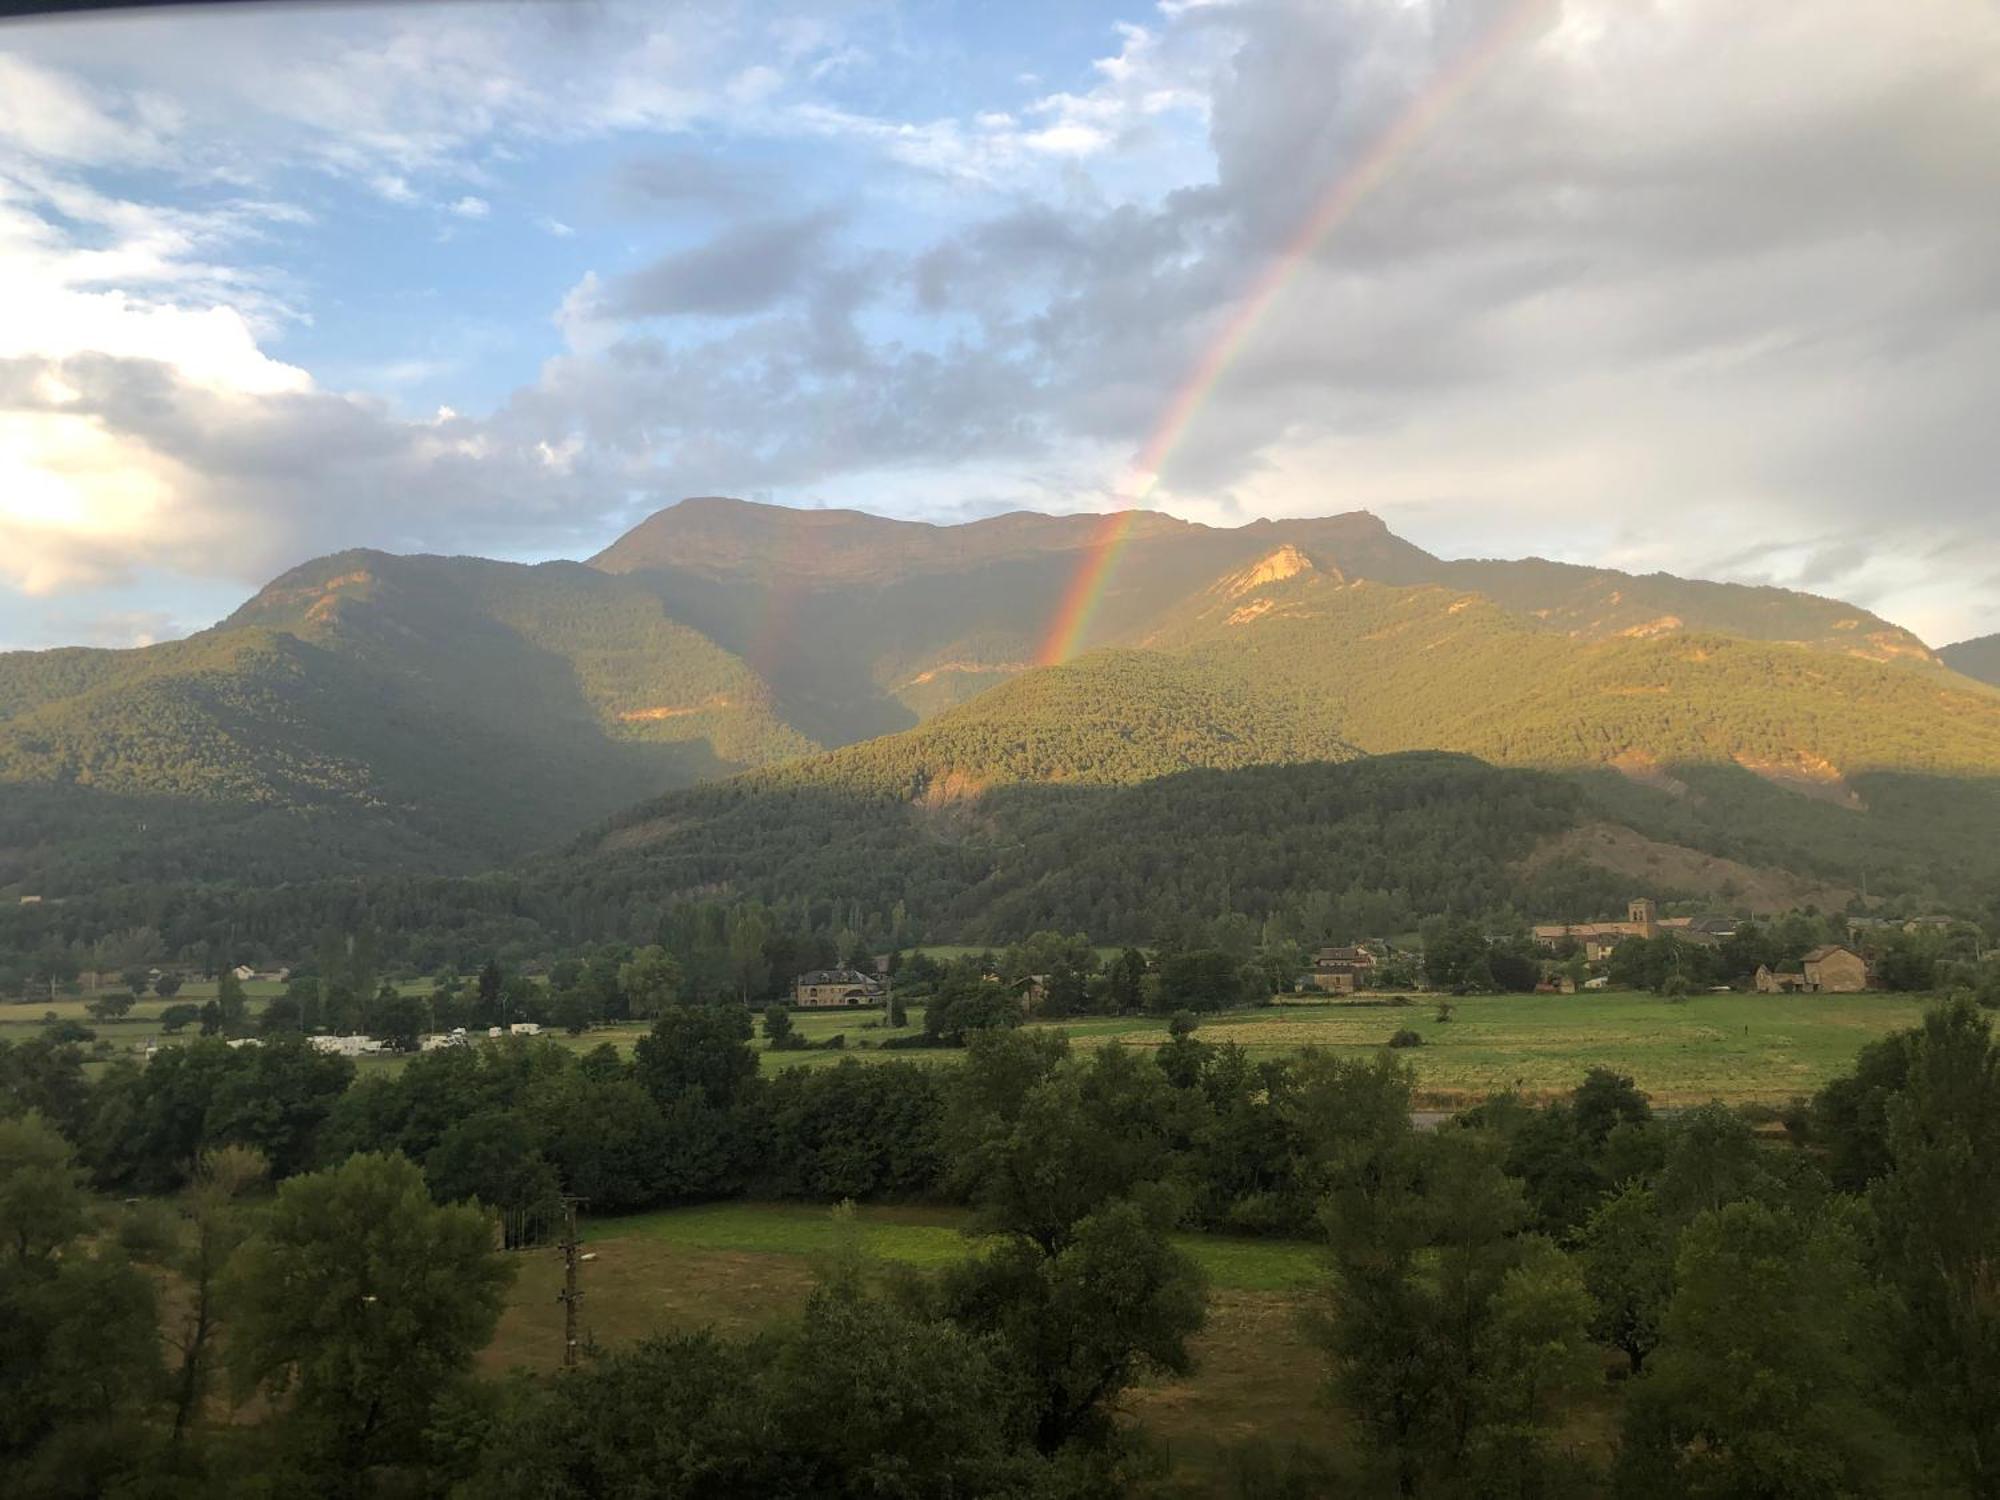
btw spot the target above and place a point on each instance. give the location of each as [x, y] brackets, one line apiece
[470, 207]
[1683, 285]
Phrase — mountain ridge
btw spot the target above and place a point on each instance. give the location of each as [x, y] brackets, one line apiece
[1978, 658]
[374, 710]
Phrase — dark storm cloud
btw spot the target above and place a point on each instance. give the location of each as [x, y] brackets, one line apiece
[743, 269]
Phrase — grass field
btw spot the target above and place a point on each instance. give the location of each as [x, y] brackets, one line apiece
[1738, 1048]
[738, 1267]
[927, 1237]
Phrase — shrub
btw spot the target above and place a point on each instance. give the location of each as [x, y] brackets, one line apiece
[1406, 1038]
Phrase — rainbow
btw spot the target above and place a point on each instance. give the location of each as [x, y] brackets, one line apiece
[1086, 590]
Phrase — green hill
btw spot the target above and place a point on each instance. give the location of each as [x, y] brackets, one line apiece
[1979, 658]
[1381, 841]
[366, 712]
[864, 625]
[1778, 766]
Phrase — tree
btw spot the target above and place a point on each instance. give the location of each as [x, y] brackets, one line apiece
[231, 1002]
[1450, 1362]
[1116, 1303]
[61, 1031]
[1906, 961]
[1756, 1386]
[492, 979]
[364, 959]
[650, 981]
[1712, 1159]
[1064, 1162]
[1535, 1362]
[574, 1009]
[779, 1033]
[1604, 1101]
[136, 980]
[1455, 955]
[491, 1158]
[396, 1019]
[852, 1131]
[41, 1077]
[1183, 1059]
[216, 1227]
[749, 936]
[403, 1293]
[167, 985]
[1628, 1264]
[1849, 1118]
[1206, 979]
[80, 1355]
[611, 1144]
[42, 1203]
[1937, 1230]
[109, 1006]
[691, 1416]
[274, 1099]
[699, 1050]
[967, 1004]
[174, 1018]
[1125, 983]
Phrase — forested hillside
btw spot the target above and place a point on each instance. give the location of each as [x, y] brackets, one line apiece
[362, 713]
[1978, 658]
[865, 625]
[1839, 771]
[1367, 846]
[367, 712]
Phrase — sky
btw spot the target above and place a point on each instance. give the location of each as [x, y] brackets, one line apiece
[1682, 285]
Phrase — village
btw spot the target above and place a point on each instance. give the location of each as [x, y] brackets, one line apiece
[1053, 976]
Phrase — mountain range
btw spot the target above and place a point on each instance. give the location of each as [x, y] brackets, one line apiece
[368, 712]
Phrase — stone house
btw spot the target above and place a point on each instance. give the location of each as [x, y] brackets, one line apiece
[828, 989]
[1340, 971]
[1832, 969]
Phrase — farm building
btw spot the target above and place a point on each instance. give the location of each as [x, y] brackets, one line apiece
[1339, 971]
[1830, 969]
[823, 989]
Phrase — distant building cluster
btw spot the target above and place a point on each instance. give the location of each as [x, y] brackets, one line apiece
[1642, 920]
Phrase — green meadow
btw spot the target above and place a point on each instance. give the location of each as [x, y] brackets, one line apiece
[1738, 1048]
[738, 1267]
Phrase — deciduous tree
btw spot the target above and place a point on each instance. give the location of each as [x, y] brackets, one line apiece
[357, 1302]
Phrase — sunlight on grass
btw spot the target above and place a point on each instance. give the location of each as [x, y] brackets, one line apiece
[922, 1237]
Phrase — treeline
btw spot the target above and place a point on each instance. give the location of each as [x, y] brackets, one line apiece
[366, 713]
[1329, 853]
[1805, 1318]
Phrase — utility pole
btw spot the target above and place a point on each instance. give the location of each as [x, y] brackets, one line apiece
[571, 1294]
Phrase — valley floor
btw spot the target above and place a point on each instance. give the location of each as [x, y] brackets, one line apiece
[738, 1267]
[1742, 1049]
